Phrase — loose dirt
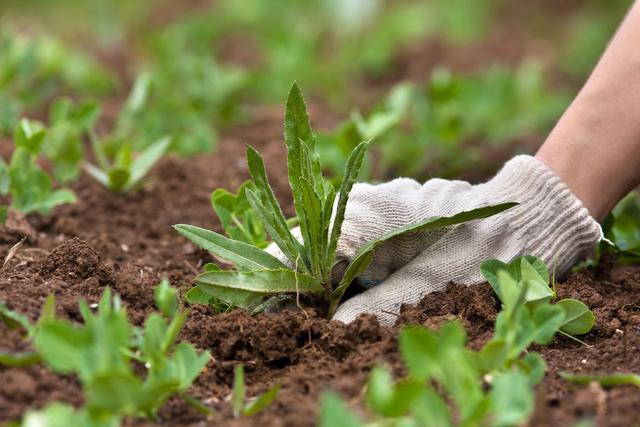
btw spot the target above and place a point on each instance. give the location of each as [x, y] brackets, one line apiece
[126, 242]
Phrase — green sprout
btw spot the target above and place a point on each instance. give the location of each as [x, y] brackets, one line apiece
[239, 402]
[320, 210]
[101, 351]
[237, 218]
[121, 167]
[450, 385]
[530, 272]
[29, 187]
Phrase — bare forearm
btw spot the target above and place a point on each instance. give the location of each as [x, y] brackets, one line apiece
[595, 147]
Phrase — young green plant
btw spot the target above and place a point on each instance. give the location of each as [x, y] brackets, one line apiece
[320, 210]
[450, 385]
[121, 167]
[100, 353]
[30, 188]
[530, 272]
[237, 218]
[239, 403]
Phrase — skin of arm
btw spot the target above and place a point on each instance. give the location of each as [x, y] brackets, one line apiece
[595, 146]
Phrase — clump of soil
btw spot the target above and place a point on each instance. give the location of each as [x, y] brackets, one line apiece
[75, 261]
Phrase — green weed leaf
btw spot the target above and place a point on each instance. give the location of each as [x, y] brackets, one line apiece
[166, 298]
[333, 412]
[238, 393]
[18, 360]
[512, 399]
[243, 255]
[261, 402]
[261, 281]
[578, 318]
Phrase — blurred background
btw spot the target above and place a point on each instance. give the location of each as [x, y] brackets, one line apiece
[445, 87]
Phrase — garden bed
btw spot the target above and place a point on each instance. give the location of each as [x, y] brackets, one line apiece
[126, 242]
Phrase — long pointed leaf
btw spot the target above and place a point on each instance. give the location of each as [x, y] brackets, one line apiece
[261, 281]
[295, 252]
[243, 255]
[143, 163]
[354, 163]
[268, 209]
[297, 132]
[312, 214]
[261, 402]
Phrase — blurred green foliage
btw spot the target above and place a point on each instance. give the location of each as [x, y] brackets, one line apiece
[439, 124]
[34, 69]
[206, 64]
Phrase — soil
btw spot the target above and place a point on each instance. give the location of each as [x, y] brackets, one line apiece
[126, 242]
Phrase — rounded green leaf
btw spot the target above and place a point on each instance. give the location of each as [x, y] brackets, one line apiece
[578, 318]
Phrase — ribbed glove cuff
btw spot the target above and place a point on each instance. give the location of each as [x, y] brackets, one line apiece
[557, 223]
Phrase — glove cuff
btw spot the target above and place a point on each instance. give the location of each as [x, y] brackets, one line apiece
[557, 223]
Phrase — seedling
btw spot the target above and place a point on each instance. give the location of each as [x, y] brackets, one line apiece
[238, 220]
[439, 358]
[624, 229]
[14, 320]
[120, 166]
[27, 184]
[530, 273]
[417, 127]
[320, 210]
[238, 396]
[493, 386]
[100, 352]
[68, 123]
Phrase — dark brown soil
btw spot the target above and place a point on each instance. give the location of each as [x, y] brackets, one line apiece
[126, 242]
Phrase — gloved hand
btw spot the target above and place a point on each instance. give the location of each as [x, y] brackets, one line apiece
[549, 222]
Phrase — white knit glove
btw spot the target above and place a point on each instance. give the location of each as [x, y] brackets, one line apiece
[549, 222]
